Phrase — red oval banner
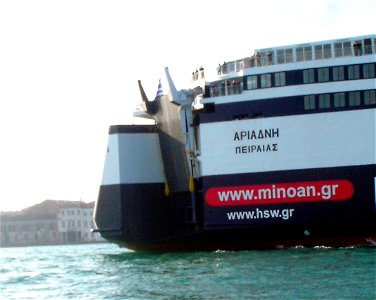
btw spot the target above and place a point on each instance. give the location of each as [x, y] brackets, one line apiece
[295, 192]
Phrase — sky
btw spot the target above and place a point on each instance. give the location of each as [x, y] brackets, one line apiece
[69, 70]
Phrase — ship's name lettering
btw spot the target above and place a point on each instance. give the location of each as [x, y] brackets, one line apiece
[256, 134]
[256, 148]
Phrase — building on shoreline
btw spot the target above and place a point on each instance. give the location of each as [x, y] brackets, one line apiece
[51, 222]
[75, 224]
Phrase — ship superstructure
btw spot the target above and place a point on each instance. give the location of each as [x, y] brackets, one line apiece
[278, 148]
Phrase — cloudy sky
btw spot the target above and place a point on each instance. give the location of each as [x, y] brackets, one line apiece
[69, 69]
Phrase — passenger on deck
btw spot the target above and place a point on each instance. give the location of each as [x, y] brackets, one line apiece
[219, 69]
[270, 58]
[258, 59]
[357, 48]
[252, 60]
[224, 68]
[202, 72]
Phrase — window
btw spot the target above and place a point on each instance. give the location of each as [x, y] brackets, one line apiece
[324, 101]
[342, 49]
[367, 46]
[280, 79]
[252, 82]
[369, 71]
[266, 80]
[338, 73]
[309, 76]
[222, 88]
[354, 98]
[370, 97]
[309, 102]
[323, 74]
[308, 53]
[318, 52]
[284, 56]
[303, 53]
[299, 54]
[338, 50]
[347, 49]
[339, 100]
[231, 67]
[281, 59]
[353, 72]
[327, 51]
[289, 55]
[239, 65]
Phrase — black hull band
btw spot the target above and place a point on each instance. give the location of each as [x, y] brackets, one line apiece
[261, 238]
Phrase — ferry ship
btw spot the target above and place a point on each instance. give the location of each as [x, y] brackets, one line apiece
[273, 150]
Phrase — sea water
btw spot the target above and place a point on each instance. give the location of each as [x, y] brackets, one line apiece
[104, 271]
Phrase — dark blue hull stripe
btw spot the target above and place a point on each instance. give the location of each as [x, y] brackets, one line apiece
[267, 108]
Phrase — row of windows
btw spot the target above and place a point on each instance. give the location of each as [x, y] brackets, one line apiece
[299, 53]
[72, 224]
[288, 106]
[318, 75]
[338, 73]
[30, 227]
[352, 99]
[34, 237]
[73, 212]
[266, 80]
[352, 72]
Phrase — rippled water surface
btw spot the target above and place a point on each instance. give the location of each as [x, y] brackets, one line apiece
[104, 271]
